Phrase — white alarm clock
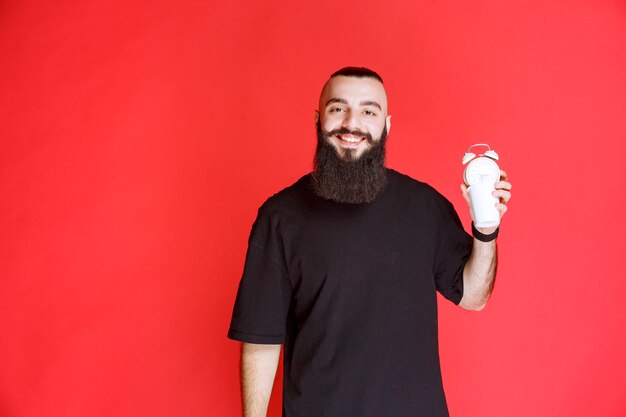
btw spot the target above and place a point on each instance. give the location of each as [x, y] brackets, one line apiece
[481, 169]
[480, 175]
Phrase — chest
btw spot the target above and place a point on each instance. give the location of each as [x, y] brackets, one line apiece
[343, 257]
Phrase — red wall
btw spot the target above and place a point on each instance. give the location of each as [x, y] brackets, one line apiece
[138, 139]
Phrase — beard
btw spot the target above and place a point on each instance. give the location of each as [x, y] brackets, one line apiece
[351, 179]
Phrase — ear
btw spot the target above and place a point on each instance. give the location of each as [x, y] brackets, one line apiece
[317, 116]
[388, 123]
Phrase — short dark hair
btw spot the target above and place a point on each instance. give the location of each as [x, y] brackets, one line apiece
[358, 72]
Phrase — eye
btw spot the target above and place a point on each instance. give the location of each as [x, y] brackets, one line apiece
[336, 109]
[369, 113]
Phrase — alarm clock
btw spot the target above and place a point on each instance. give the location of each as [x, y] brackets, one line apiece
[480, 175]
[481, 169]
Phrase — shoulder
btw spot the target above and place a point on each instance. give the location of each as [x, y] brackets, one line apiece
[420, 196]
[414, 188]
[428, 202]
[289, 198]
[281, 212]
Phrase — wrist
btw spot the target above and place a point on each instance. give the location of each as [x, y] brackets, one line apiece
[486, 234]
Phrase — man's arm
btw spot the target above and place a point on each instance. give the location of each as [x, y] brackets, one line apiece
[258, 369]
[479, 273]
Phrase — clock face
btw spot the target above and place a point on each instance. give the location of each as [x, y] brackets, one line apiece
[481, 170]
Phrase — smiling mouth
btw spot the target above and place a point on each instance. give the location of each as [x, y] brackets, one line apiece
[350, 139]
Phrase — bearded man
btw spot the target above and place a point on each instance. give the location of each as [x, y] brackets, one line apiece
[343, 267]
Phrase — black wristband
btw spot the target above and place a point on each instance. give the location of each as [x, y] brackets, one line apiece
[483, 237]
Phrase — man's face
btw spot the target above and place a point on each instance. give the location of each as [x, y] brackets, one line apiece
[353, 114]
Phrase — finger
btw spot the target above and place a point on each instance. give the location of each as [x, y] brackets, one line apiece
[505, 185]
[504, 195]
[503, 176]
[502, 208]
[465, 193]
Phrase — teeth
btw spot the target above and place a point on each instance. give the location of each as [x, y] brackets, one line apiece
[351, 139]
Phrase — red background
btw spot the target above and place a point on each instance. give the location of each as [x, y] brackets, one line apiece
[138, 139]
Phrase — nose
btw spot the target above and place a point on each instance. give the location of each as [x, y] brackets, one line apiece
[351, 121]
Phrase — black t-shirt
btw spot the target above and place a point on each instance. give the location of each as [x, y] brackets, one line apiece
[350, 290]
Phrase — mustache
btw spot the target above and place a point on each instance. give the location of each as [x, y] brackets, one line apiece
[346, 131]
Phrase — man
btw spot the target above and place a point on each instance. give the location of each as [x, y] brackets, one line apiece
[343, 267]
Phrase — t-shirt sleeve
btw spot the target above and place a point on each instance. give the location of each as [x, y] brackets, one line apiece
[262, 302]
[455, 246]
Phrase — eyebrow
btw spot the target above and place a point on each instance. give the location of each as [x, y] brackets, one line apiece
[363, 103]
[371, 103]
